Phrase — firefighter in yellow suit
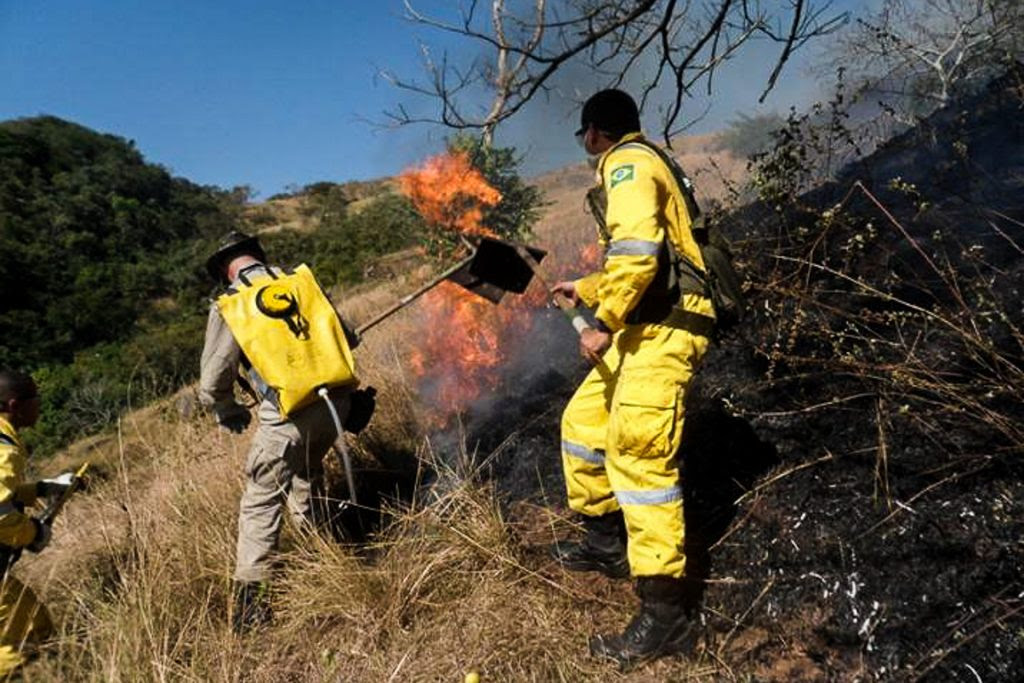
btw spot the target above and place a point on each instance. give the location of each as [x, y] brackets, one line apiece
[23, 619]
[622, 428]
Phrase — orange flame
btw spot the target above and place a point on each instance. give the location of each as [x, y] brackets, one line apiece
[459, 352]
[465, 338]
[449, 192]
[461, 348]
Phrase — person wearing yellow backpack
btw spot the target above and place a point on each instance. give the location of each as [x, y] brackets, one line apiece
[622, 428]
[278, 328]
[24, 621]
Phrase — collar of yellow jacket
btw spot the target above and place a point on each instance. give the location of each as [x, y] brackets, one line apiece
[8, 429]
[628, 137]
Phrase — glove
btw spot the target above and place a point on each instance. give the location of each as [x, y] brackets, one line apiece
[362, 403]
[236, 422]
[46, 488]
[42, 539]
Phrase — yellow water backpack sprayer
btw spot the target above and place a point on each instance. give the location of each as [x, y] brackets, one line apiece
[288, 330]
[291, 334]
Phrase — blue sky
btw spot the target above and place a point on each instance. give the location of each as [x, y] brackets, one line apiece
[273, 94]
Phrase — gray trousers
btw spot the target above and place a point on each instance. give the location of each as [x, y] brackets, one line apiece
[284, 468]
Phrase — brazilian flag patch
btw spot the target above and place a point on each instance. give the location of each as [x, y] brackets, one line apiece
[621, 174]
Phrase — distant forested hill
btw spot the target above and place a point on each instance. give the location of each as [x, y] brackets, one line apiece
[89, 234]
[100, 269]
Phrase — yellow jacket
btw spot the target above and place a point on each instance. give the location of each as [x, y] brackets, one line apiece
[644, 204]
[16, 528]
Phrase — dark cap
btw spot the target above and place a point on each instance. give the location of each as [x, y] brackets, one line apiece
[612, 112]
[233, 244]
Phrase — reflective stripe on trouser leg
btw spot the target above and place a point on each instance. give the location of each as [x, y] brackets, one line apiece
[584, 434]
[645, 430]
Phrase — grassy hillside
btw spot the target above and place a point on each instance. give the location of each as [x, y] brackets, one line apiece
[851, 467]
[158, 524]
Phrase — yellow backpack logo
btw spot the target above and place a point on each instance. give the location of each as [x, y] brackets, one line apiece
[291, 334]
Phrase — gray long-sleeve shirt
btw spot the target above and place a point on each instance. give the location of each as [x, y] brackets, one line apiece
[218, 367]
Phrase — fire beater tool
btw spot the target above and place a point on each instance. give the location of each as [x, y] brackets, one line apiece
[493, 268]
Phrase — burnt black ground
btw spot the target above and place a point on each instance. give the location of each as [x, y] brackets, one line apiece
[808, 559]
[803, 549]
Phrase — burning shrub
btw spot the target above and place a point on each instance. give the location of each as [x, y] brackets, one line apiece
[460, 349]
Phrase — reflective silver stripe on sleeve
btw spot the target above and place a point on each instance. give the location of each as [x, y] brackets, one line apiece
[595, 457]
[7, 507]
[655, 497]
[634, 248]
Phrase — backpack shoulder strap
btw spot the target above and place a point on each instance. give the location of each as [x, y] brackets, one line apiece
[597, 200]
[683, 182]
[692, 278]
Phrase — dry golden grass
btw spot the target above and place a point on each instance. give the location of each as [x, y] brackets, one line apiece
[138, 576]
[139, 579]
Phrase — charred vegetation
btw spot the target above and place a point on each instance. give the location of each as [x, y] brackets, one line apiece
[852, 456]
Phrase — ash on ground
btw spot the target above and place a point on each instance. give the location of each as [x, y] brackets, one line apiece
[845, 521]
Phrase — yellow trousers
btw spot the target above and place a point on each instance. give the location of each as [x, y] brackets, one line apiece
[24, 620]
[620, 434]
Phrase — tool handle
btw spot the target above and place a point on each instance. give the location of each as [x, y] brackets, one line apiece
[571, 312]
[409, 298]
[54, 508]
[340, 447]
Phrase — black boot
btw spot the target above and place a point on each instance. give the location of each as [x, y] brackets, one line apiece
[603, 549]
[252, 606]
[660, 628]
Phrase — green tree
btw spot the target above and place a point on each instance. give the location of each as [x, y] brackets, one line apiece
[513, 217]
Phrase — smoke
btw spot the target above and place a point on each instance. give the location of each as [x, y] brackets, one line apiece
[510, 432]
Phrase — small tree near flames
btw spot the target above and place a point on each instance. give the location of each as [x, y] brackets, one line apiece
[472, 189]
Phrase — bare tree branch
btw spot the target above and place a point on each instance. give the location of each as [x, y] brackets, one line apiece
[918, 54]
[683, 42]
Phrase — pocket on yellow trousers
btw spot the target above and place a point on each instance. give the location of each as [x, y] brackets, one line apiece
[645, 414]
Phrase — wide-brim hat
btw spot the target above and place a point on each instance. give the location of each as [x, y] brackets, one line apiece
[234, 244]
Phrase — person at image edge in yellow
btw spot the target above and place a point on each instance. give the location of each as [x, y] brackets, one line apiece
[622, 428]
[23, 619]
